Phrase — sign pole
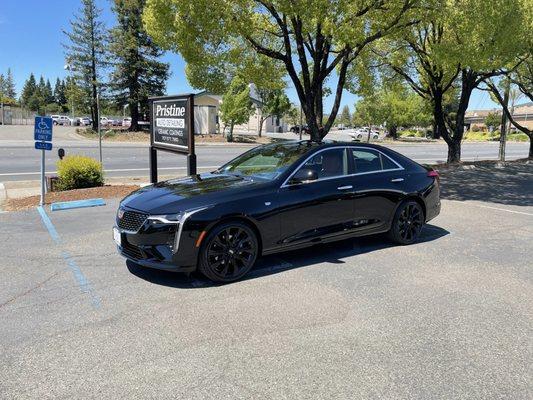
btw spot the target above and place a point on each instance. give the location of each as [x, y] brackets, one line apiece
[153, 165]
[42, 178]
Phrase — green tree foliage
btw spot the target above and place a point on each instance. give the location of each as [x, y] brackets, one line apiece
[460, 45]
[274, 103]
[60, 96]
[309, 40]
[493, 120]
[236, 107]
[9, 86]
[344, 118]
[28, 90]
[86, 52]
[137, 72]
[76, 97]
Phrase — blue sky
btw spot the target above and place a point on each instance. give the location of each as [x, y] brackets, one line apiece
[31, 36]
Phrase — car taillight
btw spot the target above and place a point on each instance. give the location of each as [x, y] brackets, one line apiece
[433, 174]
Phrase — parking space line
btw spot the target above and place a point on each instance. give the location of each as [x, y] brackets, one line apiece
[83, 282]
[500, 209]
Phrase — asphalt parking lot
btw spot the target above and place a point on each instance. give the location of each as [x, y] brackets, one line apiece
[450, 317]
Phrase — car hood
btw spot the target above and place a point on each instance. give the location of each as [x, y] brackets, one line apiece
[191, 192]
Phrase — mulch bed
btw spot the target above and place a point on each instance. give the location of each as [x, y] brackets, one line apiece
[106, 192]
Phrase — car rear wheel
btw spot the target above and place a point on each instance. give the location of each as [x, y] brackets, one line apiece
[229, 252]
[407, 224]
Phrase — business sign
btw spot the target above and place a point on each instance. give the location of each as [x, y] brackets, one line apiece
[43, 145]
[43, 129]
[172, 123]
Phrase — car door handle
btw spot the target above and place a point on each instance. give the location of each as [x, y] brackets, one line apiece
[397, 180]
[347, 187]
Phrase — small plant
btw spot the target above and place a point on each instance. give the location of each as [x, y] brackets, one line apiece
[78, 172]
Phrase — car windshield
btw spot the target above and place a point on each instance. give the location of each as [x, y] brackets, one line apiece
[266, 162]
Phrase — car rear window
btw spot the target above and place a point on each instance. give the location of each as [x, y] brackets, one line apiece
[368, 160]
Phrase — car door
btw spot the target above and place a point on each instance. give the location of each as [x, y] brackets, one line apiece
[378, 187]
[321, 208]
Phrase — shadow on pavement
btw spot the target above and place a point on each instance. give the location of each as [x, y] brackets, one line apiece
[334, 253]
[512, 185]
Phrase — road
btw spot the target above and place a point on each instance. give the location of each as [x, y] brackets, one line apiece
[19, 161]
[449, 317]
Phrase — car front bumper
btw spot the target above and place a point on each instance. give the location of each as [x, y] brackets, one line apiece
[154, 248]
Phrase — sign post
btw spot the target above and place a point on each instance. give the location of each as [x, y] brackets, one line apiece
[42, 135]
[172, 129]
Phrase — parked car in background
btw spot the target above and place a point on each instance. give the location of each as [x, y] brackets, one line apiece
[126, 122]
[64, 120]
[85, 121]
[104, 121]
[116, 122]
[364, 134]
[55, 119]
[296, 129]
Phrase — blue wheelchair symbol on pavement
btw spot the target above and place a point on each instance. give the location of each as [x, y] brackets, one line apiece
[43, 129]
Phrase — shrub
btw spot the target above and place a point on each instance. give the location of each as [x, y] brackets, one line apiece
[77, 172]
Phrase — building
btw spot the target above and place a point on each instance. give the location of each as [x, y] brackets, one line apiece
[207, 116]
[523, 114]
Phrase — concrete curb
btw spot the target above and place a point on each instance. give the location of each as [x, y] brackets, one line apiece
[3, 195]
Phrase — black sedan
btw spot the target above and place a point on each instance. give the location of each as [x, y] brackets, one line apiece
[275, 198]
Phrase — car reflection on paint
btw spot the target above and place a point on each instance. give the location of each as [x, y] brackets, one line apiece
[275, 198]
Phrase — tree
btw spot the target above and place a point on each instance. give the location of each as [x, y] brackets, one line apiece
[344, 118]
[137, 72]
[86, 52]
[274, 102]
[493, 120]
[310, 40]
[9, 89]
[393, 106]
[60, 97]
[30, 86]
[508, 111]
[461, 45]
[236, 107]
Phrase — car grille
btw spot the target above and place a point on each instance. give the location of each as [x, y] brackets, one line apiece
[131, 220]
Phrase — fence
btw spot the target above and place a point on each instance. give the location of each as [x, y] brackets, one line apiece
[13, 115]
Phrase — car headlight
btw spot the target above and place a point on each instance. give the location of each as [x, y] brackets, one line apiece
[165, 219]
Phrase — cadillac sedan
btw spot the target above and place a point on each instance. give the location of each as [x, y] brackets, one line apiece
[275, 198]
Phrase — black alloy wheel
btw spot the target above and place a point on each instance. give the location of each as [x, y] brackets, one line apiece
[229, 252]
[407, 223]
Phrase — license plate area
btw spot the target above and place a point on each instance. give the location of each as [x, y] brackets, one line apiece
[117, 237]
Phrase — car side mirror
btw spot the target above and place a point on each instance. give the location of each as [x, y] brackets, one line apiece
[304, 175]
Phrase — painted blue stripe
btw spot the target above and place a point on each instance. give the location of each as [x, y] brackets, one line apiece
[66, 205]
[48, 224]
[83, 282]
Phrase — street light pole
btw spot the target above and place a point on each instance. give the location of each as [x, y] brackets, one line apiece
[99, 133]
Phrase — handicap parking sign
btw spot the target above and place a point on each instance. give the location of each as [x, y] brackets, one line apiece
[43, 129]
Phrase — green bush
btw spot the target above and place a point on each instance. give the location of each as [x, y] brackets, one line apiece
[518, 137]
[78, 172]
[412, 133]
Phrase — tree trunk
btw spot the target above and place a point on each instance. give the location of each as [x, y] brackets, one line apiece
[393, 132]
[436, 133]
[229, 136]
[134, 114]
[454, 152]
[261, 121]
[530, 148]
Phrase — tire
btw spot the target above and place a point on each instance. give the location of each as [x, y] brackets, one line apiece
[228, 252]
[407, 223]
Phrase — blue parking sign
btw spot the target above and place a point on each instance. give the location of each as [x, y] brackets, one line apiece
[43, 129]
[43, 145]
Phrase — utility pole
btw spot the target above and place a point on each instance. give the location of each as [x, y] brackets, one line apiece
[503, 131]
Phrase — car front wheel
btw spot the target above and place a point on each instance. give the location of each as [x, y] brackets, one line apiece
[229, 252]
[407, 224]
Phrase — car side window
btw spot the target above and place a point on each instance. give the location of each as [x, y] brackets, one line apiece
[368, 160]
[328, 163]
